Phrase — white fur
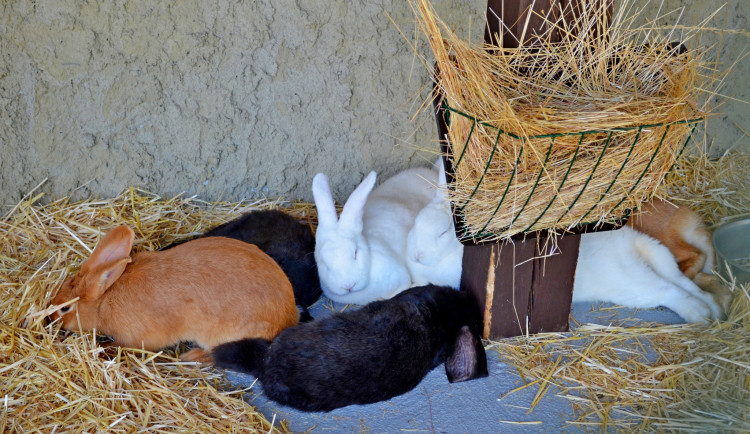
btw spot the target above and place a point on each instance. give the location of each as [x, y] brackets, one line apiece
[360, 255]
[433, 253]
[630, 268]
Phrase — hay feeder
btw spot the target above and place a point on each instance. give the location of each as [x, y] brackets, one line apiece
[527, 178]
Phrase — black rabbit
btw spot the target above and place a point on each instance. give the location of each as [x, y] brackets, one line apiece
[377, 352]
[285, 239]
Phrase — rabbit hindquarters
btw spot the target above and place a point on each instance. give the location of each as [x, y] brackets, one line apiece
[629, 268]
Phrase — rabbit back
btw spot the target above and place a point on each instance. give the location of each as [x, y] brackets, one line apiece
[285, 239]
[382, 350]
[209, 290]
[391, 208]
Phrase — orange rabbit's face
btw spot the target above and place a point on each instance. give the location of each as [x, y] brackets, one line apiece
[66, 293]
[105, 265]
[81, 311]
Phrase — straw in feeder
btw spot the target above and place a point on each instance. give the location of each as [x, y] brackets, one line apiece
[550, 135]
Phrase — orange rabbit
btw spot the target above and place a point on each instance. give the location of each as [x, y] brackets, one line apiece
[209, 291]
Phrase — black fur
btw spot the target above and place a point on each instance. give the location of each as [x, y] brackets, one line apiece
[289, 242]
[377, 352]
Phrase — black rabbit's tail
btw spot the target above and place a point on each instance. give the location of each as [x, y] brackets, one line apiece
[246, 355]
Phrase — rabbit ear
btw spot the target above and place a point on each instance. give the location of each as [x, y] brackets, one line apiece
[324, 201]
[438, 163]
[468, 360]
[101, 277]
[115, 245]
[441, 184]
[351, 215]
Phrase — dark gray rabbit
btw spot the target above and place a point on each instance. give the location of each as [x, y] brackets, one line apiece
[377, 352]
[285, 239]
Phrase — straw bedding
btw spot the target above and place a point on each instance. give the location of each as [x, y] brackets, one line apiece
[686, 378]
[70, 384]
[517, 119]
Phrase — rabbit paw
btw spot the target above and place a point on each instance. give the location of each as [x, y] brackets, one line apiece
[196, 355]
[692, 309]
[720, 292]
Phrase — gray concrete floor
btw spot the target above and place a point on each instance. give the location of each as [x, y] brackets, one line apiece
[436, 405]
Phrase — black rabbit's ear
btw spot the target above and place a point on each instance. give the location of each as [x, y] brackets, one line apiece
[468, 360]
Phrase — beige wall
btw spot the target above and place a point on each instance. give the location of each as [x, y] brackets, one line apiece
[729, 127]
[231, 100]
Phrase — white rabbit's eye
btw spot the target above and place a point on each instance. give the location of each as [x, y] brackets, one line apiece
[444, 232]
[355, 254]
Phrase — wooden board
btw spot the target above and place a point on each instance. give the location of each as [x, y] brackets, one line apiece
[522, 286]
[510, 20]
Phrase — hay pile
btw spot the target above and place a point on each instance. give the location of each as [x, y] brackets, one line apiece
[71, 384]
[555, 134]
[679, 377]
[686, 378]
[717, 189]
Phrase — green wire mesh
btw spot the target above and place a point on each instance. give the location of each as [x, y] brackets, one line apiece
[601, 210]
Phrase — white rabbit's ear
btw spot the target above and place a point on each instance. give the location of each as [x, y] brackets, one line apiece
[442, 180]
[351, 215]
[324, 201]
[438, 163]
[442, 183]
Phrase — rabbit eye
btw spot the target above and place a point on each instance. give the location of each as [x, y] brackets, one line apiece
[65, 309]
[355, 254]
[444, 232]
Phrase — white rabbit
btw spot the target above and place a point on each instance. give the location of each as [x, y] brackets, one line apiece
[628, 267]
[623, 266]
[433, 253]
[360, 255]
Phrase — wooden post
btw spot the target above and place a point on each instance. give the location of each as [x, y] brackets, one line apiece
[524, 285]
[510, 20]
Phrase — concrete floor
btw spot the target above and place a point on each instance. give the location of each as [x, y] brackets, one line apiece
[436, 405]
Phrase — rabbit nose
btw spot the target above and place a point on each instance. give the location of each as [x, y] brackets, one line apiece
[348, 287]
[418, 256]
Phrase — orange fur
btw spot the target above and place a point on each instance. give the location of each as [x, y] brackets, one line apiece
[210, 291]
[711, 283]
[670, 224]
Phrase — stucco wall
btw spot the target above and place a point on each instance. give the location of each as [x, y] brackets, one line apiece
[726, 40]
[227, 99]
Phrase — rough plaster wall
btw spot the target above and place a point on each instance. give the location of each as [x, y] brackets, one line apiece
[221, 99]
[729, 127]
[227, 99]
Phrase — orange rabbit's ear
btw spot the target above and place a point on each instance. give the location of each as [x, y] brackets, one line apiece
[101, 277]
[113, 246]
